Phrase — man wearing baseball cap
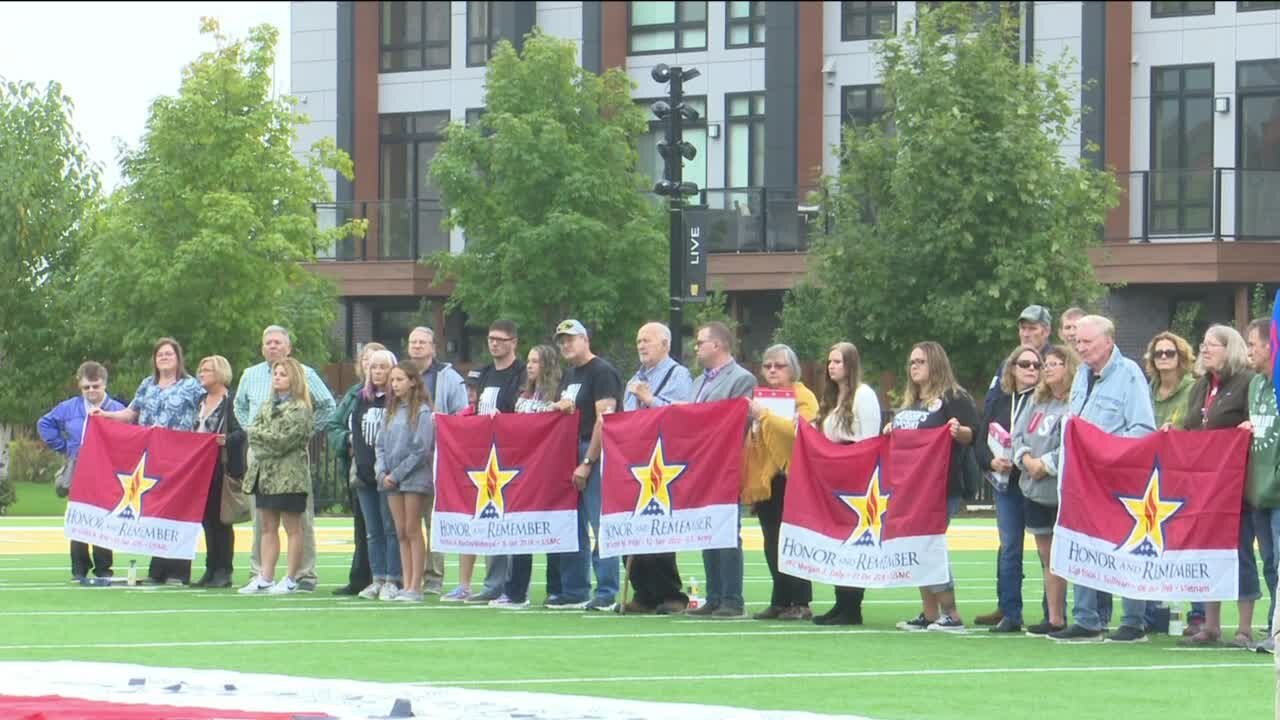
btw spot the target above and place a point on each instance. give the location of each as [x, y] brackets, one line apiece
[593, 387]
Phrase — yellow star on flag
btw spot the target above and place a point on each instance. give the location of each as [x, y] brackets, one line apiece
[133, 486]
[870, 508]
[1149, 514]
[489, 483]
[655, 479]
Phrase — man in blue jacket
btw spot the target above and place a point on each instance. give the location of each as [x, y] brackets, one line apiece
[62, 429]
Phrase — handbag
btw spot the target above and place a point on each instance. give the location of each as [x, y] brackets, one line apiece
[234, 507]
[62, 483]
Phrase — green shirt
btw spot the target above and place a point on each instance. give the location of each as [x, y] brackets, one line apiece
[1262, 490]
[1173, 408]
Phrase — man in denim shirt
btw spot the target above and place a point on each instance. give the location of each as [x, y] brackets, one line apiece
[1110, 392]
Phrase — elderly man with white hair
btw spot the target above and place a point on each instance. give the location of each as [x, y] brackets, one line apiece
[1110, 392]
[253, 391]
[658, 382]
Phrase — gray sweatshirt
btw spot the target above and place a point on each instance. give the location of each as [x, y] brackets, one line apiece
[404, 450]
[1038, 432]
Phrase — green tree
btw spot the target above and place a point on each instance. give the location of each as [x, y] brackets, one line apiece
[960, 213]
[547, 188]
[205, 239]
[48, 203]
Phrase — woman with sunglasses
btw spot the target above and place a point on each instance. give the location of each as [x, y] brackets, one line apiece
[1169, 361]
[995, 458]
[768, 453]
[932, 398]
[1037, 443]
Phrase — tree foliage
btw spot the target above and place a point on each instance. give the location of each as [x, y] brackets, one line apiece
[962, 212]
[547, 188]
[47, 206]
[205, 239]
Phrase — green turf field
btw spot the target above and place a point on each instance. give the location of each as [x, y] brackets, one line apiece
[873, 670]
[36, 500]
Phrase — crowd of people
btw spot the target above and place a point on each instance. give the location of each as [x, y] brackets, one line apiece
[382, 433]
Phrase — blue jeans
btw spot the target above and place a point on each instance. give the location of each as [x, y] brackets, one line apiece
[1266, 525]
[497, 570]
[1085, 610]
[724, 574]
[1248, 588]
[1012, 526]
[380, 532]
[606, 570]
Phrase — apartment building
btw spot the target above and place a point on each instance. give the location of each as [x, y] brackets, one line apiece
[1184, 102]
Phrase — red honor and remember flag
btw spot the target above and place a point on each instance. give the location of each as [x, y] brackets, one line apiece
[869, 514]
[140, 489]
[504, 484]
[1151, 518]
[671, 478]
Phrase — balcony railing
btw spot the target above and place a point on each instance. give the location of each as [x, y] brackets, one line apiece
[1201, 205]
[753, 220]
[398, 229]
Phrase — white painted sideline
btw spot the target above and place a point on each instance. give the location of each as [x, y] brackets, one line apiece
[109, 682]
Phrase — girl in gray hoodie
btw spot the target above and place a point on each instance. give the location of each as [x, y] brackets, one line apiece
[403, 470]
[1037, 451]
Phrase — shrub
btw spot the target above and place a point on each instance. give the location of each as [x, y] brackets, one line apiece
[31, 462]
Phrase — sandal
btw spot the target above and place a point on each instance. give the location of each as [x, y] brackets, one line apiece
[1243, 640]
[1204, 638]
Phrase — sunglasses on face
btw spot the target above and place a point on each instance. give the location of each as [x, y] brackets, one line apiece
[1029, 364]
[1165, 354]
[496, 339]
[773, 366]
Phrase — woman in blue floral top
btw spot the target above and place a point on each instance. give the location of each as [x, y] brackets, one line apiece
[169, 398]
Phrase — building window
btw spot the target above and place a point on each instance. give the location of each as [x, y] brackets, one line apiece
[744, 24]
[866, 20]
[744, 153]
[415, 36]
[694, 133]
[1180, 9]
[482, 32]
[981, 12]
[862, 105]
[1258, 150]
[1244, 6]
[1181, 149]
[409, 211]
[654, 27]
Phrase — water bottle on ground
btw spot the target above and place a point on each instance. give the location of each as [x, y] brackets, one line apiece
[1175, 620]
[695, 598]
[133, 573]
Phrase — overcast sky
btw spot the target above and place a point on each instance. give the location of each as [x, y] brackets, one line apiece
[114, 58]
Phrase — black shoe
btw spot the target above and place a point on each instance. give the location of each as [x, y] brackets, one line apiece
[838, 616]
[1075, 633]
[306, 586]
[1045, 628]
[204, 579]
[1006, 625]
[1127, 634]
[705, 611]
[346, 590]
[220, 579]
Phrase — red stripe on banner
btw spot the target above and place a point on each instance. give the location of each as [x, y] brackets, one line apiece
[56, 707]
[1151, 516]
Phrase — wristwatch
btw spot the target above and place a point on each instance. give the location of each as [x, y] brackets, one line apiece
[587, 461]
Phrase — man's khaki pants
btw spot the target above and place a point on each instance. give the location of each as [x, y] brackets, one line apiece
[433, 570]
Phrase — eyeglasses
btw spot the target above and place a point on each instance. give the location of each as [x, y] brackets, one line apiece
[87, 388]
[1029, 364]
[773, 366]
[496, 339]
[1053, 365]
[1167, 354]
[916, 361]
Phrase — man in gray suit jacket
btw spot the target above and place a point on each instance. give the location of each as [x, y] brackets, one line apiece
[722, 379]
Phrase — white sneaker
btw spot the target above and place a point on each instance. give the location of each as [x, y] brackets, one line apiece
[284, 587]
[255, 586]
[389, 591]
[371, 592]
[408, 596]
